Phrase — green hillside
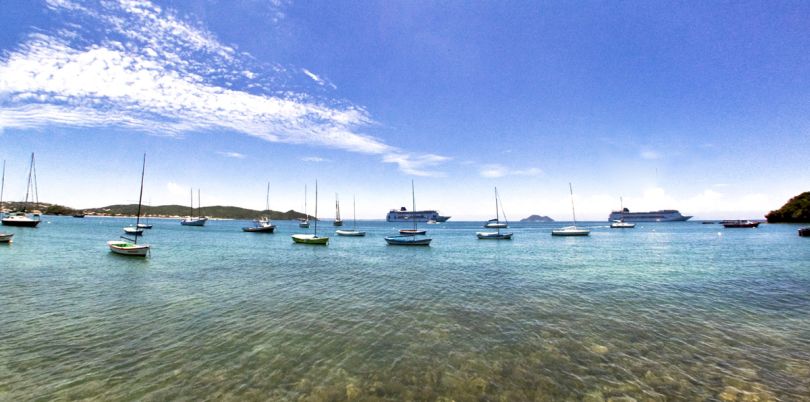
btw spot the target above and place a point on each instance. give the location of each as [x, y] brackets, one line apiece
[217, 211]
[797, 210]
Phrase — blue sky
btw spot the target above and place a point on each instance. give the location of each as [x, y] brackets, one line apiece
[701, 107]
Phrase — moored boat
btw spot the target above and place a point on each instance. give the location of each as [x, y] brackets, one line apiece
[571, 230]
[804, 232]
[22, 218]
[337, 221]
[353, 232]
[622, 225]
[6, 237]
[412, 232]
[496, 224]
[125, 245]
[304, 222]
[133, 230]
[740, 224]
[262, 224]
[191, 220]
[312, 238]
[412, 237]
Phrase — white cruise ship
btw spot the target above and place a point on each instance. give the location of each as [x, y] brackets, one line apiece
[665, 215]
[403, 215]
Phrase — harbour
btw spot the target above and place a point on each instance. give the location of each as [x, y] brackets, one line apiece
[677, 310]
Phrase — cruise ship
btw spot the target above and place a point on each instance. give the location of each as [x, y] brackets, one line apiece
[665, 215]
[403, 215]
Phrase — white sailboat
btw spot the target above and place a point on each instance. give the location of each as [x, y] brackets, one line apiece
[620, 223]
[304, 222]
[127, 246]
[354, 232]
[571, 230]
[146, 225]
[21, 218]
[338, 221]
[199, 220]
[413, 238]
[312, 238]
[497, 224]
[262, 224]
[4, 237]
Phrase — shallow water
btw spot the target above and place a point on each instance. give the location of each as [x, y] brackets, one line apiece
[663, 311]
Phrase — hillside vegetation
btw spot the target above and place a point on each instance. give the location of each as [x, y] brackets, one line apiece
[796, 210]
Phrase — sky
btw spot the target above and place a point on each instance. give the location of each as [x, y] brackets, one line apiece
[702, 107]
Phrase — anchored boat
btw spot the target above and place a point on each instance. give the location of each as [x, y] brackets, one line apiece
[496, 224]
[190, 219]
[410, 239]
[571, 230]
[127, 246]
[262, 224]
[21, 218]
[354, 232]
[312, 238]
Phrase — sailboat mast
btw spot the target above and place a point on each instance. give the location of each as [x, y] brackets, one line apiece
[497, 212]
[140, 199]
[573, 211]
[199, 205]
[354, 211]
[191, 206]
[413, 205]
[267, 200]
[316, 208]
[337, 207]
[2, 186]
[35, 192]
[28, 186]
[306, 216]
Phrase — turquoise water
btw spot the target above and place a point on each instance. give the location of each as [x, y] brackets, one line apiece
[663, 311]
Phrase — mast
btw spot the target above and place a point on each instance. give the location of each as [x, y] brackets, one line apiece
[497, 215]
[337, 207]
[267, 200]
[573, 211]
[28, 186]
[35, 192]
[2, 186]
[316, 208]
[140, 199]
[413, 205]
[199, 205]
[306, 216]
[191, 206]
[354, 211]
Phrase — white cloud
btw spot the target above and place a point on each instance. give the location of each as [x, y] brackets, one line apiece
[650, 155]
[235, 155]
[314, 159]
[495, 170]
[156, 73]
[176, 189]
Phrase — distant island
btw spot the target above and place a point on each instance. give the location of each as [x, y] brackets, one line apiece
[797, 210]
[162, 211]
[537, 218]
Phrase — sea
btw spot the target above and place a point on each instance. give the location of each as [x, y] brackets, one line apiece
[665, 311]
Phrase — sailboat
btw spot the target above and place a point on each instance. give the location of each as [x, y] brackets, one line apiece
[312, 238]
[127, 246]
[338, 221]
[497, 224]
[304, 222]
[354, 232]
[4, 237]
[21, 218]
[620, 223]
[410, 239]
[262, 224]
[191, 220]
[571, 230]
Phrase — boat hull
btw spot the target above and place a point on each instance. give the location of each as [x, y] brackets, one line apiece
[740, 225]
[337, 223]
[494, 236]
[407, 241]
[410, 216]
[144, 226]
[260, 229]
[412, 232]
[496, 226]
[350, 233]
[622, 225]
[128, 249]
[303, 225]
[570, 231]
[194, 222]
[804, 232]
[133, 231]
[26, 223]
[6, 237]
[309, 239]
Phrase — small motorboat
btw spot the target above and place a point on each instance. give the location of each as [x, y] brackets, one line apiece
[6, 237]
[407, 241]
[144, 226]
[78, 215]
[133, 230]
[431, 222]
[619, 224]
[708, 222]
[493, 236]
[740, 224]
[570, 231]
[350, 233]
[412, 232]
[804, 232]
[309, 239]
[21, 219]
[260, 227]
[304, 223]
[126, 247]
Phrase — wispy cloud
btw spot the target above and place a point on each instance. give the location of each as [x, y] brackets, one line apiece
[314, 159]
[495, 170]
[132, 64]
[235, 155]
[318, 80]
[650, 154]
